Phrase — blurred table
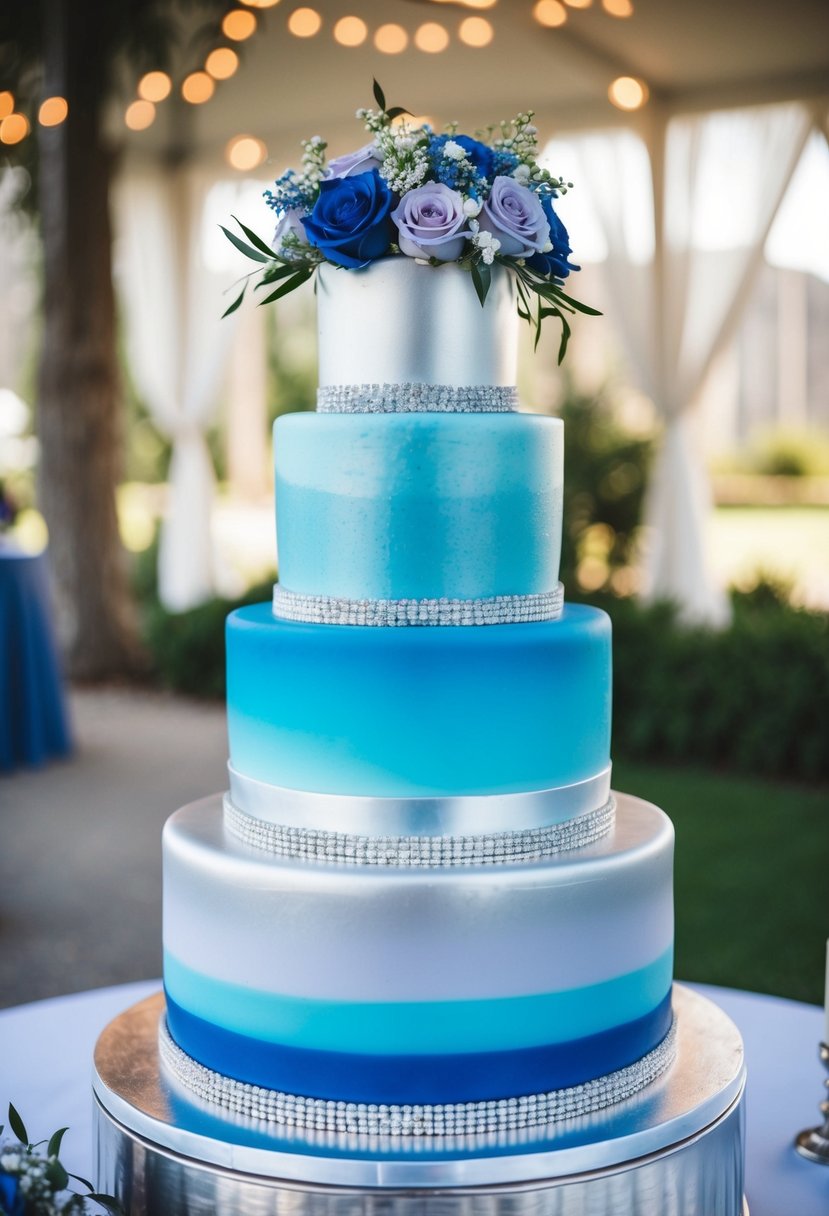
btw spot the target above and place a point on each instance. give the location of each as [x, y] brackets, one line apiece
[34, 725]
[46, 1065]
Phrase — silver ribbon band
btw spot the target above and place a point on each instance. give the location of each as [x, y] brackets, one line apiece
[343, 848]
[493, 610]
[461, 815]
[416, 398]
[504, 1115]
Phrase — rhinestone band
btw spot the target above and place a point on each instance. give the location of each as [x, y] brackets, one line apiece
[416, 398]
[447, 1119]
[496, 848]
[494, 610]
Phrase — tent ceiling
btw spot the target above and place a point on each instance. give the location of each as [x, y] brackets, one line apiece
[692, 53]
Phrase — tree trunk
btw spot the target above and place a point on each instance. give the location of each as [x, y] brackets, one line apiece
[79, 388]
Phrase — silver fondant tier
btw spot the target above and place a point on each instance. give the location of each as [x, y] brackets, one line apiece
[344, 848]
[492, 610]
[397, 322]
[447, 1119]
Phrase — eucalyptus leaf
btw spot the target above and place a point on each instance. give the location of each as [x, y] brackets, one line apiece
[235, 303]
[18, 1126]
[482, 280]
[379, 96]
[53, 1148]
[565, 338]
[254, 239]
[57, 1176]
[579, 307]
[107, 1201]
[275, 274]
[302, 276]
[83, 1181]
[247, 250]
[396, 111]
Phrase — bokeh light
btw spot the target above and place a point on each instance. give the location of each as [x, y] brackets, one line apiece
[350, 31]
[578, 3]
[431, 38]
[139, 115]
[475, 31]
[197, 88]
[14, 128]
[627, 93]
[6, 103]
[238, 24]
[53, 111]
[618, 8]
[154, 86]
[245, 152]
[550, 13]
[391, 39]
[221, 63]
[304, 22]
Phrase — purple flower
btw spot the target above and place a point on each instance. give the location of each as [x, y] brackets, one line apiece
[514, 214]
[289, 222]
[362, 161]
[431, 223]
[555, 262]
[351, 221]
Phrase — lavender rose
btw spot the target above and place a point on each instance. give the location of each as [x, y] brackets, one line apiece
[431, 223]
[514, 215]
[290, 222]
[362, 161]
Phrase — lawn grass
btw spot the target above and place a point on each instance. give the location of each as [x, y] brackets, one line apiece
[751, 876]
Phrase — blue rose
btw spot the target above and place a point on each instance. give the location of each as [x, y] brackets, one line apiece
[351, 220]
[481, 156]
[554, 263]
[12, 1201]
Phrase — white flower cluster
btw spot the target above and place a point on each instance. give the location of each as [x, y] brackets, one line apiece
[33, 1183]
[405, 154]
[485, 241]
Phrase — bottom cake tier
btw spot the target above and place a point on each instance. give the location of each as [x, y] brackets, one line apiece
[401, 985]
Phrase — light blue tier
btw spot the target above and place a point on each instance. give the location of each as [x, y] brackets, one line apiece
[418, 506]
[545, 973]
[406, 712]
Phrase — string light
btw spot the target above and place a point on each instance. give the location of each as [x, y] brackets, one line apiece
[221, 63]
[139, 115]
[391, 39]
[238, 24]
[431, 38]
[350, 31]
[6, 104]
[53, 111]
[260, 3]
[550, 13]
[197, 88]
[154, 86]
[304, 22]
[627, 93]
[245, 152]
[579, 3]
[475, 31]
[618, 8]
[14, 128]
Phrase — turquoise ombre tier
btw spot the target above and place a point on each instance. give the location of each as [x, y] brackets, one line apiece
[439, 985]
[407, 712]
[419, 506]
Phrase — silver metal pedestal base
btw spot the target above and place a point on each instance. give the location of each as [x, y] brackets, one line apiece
[676, 1149]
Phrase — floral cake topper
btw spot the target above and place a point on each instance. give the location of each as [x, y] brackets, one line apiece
[433, 197]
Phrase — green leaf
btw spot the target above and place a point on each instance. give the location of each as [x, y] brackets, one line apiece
[254, 239]
[482, 279]
[247, 250]
[396, 111]
[565, 338]
[53, 1149]
[379, 96]
[107, 1201]
[235, 303]
[302, 276]
[83, 1181]
[557, 294]
[56, 1175]
[274, 275]
[18, 1126]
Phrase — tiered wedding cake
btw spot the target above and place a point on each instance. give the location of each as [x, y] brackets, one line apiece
[420, 908]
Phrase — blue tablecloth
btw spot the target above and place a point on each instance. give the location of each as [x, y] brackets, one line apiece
[34, 726]
[46, 1063]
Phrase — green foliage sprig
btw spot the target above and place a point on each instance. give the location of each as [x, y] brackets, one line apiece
[37, 1183]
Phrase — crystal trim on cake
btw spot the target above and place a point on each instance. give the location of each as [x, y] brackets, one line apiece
[493, 610]
[345, 848]
[444, 1119]
[415, 397]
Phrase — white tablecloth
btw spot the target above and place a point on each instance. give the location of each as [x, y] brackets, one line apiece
[46, 1053]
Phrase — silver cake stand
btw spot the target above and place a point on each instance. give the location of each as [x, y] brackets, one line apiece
[676, 1149]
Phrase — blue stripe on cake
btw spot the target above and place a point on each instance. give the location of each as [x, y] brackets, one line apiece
[464, 1077]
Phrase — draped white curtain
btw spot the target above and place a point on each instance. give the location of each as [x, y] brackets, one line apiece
[178, 347]
[679, 290]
